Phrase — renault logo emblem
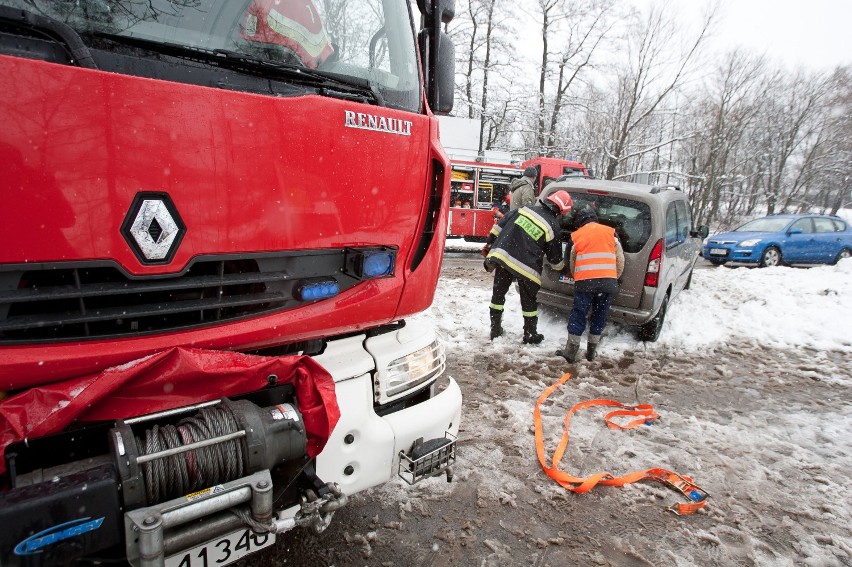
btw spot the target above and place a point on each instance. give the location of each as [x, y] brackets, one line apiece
[153, 228]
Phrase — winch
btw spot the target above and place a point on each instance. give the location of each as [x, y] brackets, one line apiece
[167, 481]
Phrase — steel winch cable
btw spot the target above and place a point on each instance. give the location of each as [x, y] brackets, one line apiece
[183, 472]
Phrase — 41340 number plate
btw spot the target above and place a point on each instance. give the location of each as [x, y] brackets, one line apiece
[222, 551]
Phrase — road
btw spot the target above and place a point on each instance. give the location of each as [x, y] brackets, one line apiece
[733, 417]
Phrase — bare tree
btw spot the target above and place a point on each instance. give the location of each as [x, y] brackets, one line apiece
[745, 140]
[834, 191]
[650, 75]
[551, 12]
[823, 181]
[786, 124]
[483, 30]
[488, 124]
[583, 32]
[727, 113]
[464, 31]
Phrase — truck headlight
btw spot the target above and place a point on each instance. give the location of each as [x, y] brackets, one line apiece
[407, 359]
[408, 372]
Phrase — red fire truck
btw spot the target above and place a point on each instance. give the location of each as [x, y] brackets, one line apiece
[208, 272]
[479, 189]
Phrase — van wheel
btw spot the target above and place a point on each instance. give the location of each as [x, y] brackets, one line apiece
[770, 257]
[650, 331]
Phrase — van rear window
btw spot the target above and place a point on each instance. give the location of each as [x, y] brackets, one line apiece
[630, 219]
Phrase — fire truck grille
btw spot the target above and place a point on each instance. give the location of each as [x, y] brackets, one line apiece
[61, 303]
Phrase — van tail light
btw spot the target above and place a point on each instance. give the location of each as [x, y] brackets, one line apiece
[655, 263]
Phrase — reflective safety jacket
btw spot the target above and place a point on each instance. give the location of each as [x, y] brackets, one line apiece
[520, 240]
[595, 249]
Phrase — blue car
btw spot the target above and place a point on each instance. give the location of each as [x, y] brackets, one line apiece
[783, 239]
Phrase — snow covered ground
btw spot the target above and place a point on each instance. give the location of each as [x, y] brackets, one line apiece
[778, 307]
[751, 377]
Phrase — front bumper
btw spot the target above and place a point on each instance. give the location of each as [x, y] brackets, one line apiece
[743, 255]
[363, 450]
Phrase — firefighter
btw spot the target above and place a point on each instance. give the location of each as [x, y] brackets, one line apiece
[515, 250]
[523, 190]
[499, 211]
[596, 263]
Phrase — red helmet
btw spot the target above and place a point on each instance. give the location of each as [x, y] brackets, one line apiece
[562, 200]
[294, 24]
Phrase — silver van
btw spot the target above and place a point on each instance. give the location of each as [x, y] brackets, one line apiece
[660, 243]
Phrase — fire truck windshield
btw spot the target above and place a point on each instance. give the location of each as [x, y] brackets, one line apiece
[370, 41]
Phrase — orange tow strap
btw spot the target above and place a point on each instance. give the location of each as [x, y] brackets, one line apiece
[645, 413]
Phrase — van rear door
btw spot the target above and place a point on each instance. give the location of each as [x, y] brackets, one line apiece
[631, 220]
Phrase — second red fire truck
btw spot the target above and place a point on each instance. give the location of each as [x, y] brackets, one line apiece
[479, 189]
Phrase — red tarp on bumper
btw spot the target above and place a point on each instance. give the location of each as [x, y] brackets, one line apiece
[169, 379]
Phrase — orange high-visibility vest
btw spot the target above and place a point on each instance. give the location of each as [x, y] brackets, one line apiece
[595, 245]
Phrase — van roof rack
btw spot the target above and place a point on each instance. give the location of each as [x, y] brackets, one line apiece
[574, 175]
[657, 188]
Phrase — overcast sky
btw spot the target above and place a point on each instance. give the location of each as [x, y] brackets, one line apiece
[816, 34]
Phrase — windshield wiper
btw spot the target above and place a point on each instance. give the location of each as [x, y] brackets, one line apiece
[330, 84]
[54, 30]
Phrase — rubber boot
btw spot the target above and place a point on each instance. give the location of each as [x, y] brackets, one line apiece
[531, 336]
[592, 347]
[569, 351]
[496, 318]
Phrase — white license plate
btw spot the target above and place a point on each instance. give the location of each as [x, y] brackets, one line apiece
[222, 551]
[719, 251]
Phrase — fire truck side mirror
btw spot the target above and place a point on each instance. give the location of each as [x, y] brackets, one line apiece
[445, 76]
[442, 11]
[437, 54]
